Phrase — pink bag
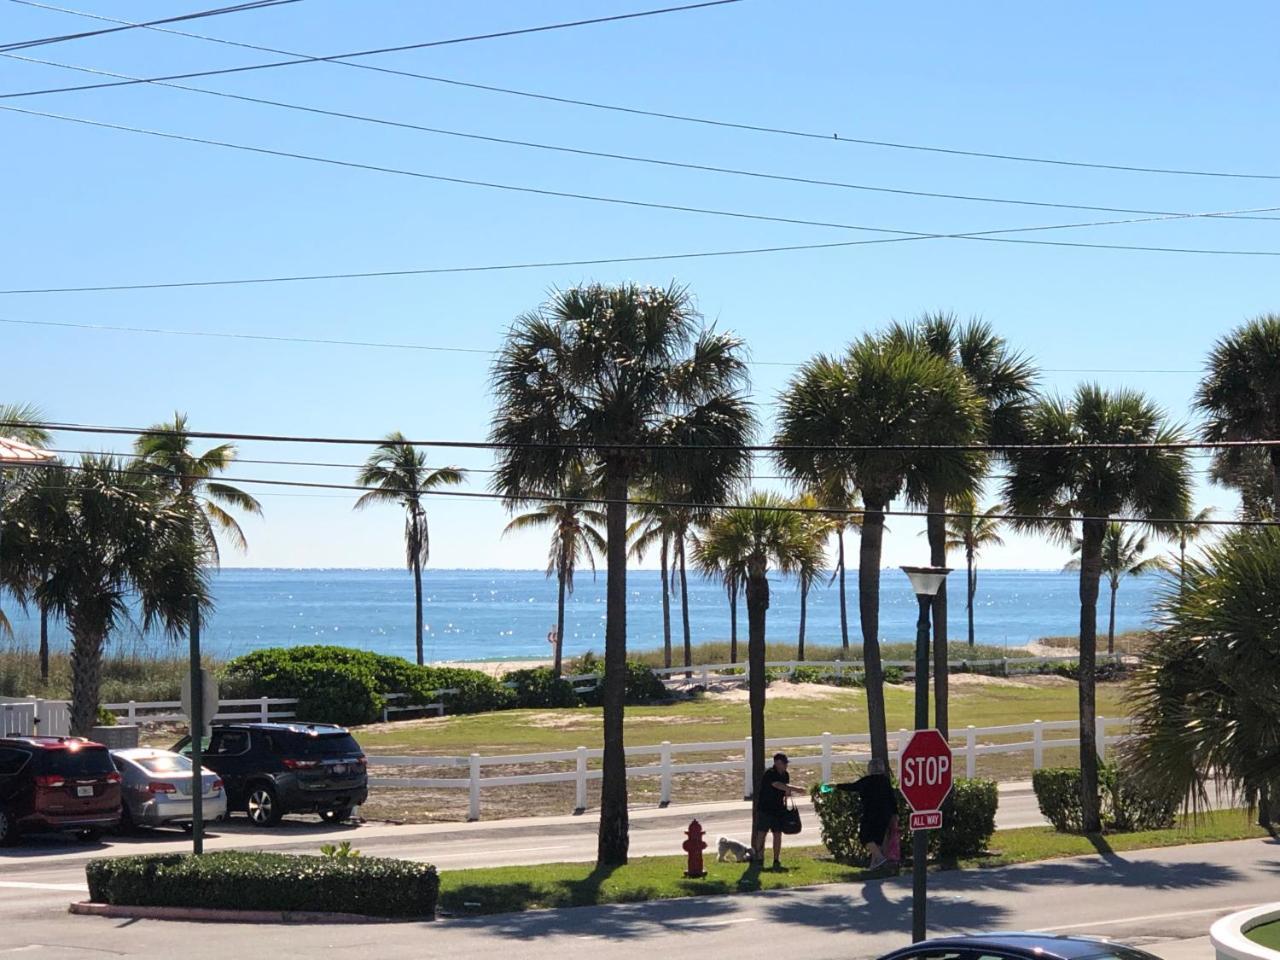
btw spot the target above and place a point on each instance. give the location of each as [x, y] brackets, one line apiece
[893, 842]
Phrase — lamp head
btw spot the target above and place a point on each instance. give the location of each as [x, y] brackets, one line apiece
[926, 581]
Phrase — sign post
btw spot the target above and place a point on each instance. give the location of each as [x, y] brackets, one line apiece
[924, 777]
[196, 711]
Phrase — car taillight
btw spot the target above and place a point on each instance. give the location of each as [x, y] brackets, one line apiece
[217, 785]
[114, 777]
[50, 780]
[363, 761]
[156, 787]
[301, 764]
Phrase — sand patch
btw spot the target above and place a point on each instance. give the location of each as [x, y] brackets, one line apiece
[781, 690]
[493, 668]
[1031, 680]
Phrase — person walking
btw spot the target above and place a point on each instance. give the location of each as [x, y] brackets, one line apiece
[771, 806]
[878, 828]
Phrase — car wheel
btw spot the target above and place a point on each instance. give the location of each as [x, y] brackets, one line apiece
[8, 831]
[340, 815]
[264, 808]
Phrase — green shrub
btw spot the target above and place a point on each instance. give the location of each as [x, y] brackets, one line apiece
[539, 688]
[894, 675]
[1126, 802]
[811, 675]
[1058, 795]
[967, 827]
[234, 880]
[1137, 804]
[106, 718]
[476, 692]
[643, 686]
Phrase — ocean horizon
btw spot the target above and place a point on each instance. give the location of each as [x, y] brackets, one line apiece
[495, 614]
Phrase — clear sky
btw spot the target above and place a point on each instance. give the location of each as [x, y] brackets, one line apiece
[1172, 84]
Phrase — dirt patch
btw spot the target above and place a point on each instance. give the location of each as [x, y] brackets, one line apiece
[781, 690]
[1031, 680]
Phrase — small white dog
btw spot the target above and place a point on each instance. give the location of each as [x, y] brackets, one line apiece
[732, 851]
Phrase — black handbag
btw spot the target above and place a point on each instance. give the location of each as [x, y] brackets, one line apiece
[791, 819]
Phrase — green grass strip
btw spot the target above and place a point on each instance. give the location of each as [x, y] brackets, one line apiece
[510, 889]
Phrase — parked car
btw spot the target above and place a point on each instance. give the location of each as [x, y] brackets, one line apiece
[157, 789]
[1018, 946]
[57, 783]
[271, 769]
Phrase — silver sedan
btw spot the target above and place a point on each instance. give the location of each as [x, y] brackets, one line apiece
[157, 788]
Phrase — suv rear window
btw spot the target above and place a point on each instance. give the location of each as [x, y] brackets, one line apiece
[78, 762]
[325, 745]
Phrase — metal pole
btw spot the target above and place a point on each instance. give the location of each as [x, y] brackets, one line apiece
[197, 733]
[920, 838]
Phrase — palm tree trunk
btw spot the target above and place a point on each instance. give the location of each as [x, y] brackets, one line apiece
[417, 606]
[1111, 621]
[973, 589]
[1275, 480]
[556, 668]
[936, 527]
[757, 607]
[1090, 578]
[870, 543]
[666, 602]
[44, 643]
[86, 677]
[733, 620]
[684, 604]
[804, 607]
[613, 839]
[844, 610]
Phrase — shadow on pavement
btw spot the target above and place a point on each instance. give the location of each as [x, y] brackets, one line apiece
[873, 912]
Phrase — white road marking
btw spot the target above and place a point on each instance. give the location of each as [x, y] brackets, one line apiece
[31, 885]
[1151, 916]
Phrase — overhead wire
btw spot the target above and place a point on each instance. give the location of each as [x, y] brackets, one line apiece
[685, 118]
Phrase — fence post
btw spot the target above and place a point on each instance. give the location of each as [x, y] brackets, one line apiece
[473, 812]
[664, 796]
[132, 713]
[580, 782]
[748, 782]
[1037, 744]
[826, 757]
[265, 710]
[1100, 732]
[970, 752]
[705, 682]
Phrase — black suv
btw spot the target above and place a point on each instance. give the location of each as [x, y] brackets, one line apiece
[271, 769]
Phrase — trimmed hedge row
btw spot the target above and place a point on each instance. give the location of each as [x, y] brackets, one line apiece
[1127, 803]
[233, 880]
[967, 828]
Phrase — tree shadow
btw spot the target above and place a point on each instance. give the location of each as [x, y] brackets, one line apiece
[873, 912]
[1109, 869]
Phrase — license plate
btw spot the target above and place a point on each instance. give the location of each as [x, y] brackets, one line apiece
[84, 791]
[339, 768]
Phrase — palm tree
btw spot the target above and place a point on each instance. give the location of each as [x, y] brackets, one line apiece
[23, 421]
[1247, 471]
[818, 526]
[883, 392]
[721, 561]
[118, 538]
[1187, 532]
[1005, 382]
[971, 531]
[1240, 393]
[1204, 701]
[1122, 556]
[1069, 480]
[397, 471]
[657, 524]
[574, 538]
[623, 380]
[842, 517]
[165, 450]
[764, 531]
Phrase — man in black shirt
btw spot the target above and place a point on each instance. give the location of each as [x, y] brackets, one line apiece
[771, 803]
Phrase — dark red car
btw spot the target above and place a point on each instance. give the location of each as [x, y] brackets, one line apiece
[57, 783]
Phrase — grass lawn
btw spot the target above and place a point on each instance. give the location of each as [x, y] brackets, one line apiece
[508, 889]
[1268, 935]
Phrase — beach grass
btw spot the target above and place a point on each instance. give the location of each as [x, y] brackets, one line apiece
[718, 652]
[1129, 643]
[130, 671]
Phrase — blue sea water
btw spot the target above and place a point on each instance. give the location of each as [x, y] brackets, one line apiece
[506, 614]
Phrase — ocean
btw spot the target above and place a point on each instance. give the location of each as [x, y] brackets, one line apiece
[506, 614]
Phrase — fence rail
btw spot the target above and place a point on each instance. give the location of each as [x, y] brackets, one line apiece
[964, 743]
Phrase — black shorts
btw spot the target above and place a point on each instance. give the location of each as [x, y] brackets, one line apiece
[769, 820]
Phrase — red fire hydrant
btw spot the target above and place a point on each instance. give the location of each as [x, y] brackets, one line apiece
[694, 846]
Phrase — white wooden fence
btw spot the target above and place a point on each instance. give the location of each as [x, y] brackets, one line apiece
[33, 716]
[966, 743]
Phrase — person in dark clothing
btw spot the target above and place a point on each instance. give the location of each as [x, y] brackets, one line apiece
[771, 803]
[879, 809]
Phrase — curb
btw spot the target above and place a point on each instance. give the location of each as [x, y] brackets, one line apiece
[212, 915]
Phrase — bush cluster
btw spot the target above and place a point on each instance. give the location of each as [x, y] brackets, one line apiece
[1127, 803]
[541, 688]
[967, 827]
[234, 880]
[643, 686]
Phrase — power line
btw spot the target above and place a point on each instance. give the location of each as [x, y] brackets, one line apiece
[630, 158]
[990, 236]
[199, 15]
[224, 335]
[753, 128]
[382, 50]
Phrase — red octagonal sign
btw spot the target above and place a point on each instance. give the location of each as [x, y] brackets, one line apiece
[924, 770]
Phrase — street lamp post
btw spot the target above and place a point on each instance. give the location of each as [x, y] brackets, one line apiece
[925, 581]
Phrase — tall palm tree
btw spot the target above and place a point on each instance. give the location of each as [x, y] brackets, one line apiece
[846, 421]
[1189, 531]
[1123, 555]
[1247, 471]
[23, 421]
[1070, 481]
[1005, 382]
[624, 380]
[1240, 393]
[575, 537]
[763, 532]
[834, 495]
[721, 561]
[397, 472]
[972, 532]
[165, 450]
[658, 524]
[118, 537]
[811, 567]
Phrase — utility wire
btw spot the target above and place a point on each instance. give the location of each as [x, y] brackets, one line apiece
[215, 334]
[630, 158]
[381, 50]
[198, 15]
[990, 236]
[753, 128]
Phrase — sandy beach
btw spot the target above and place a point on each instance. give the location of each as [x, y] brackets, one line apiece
[494, 668]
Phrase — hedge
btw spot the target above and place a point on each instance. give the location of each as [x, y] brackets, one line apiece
[967, 827]
[540, 688]
[235, 880]
[1126, 803]
[643, 686]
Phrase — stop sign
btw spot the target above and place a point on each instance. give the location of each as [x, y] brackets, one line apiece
[924, 770]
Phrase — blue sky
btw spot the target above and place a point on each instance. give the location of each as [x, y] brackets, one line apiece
[1150, 84]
